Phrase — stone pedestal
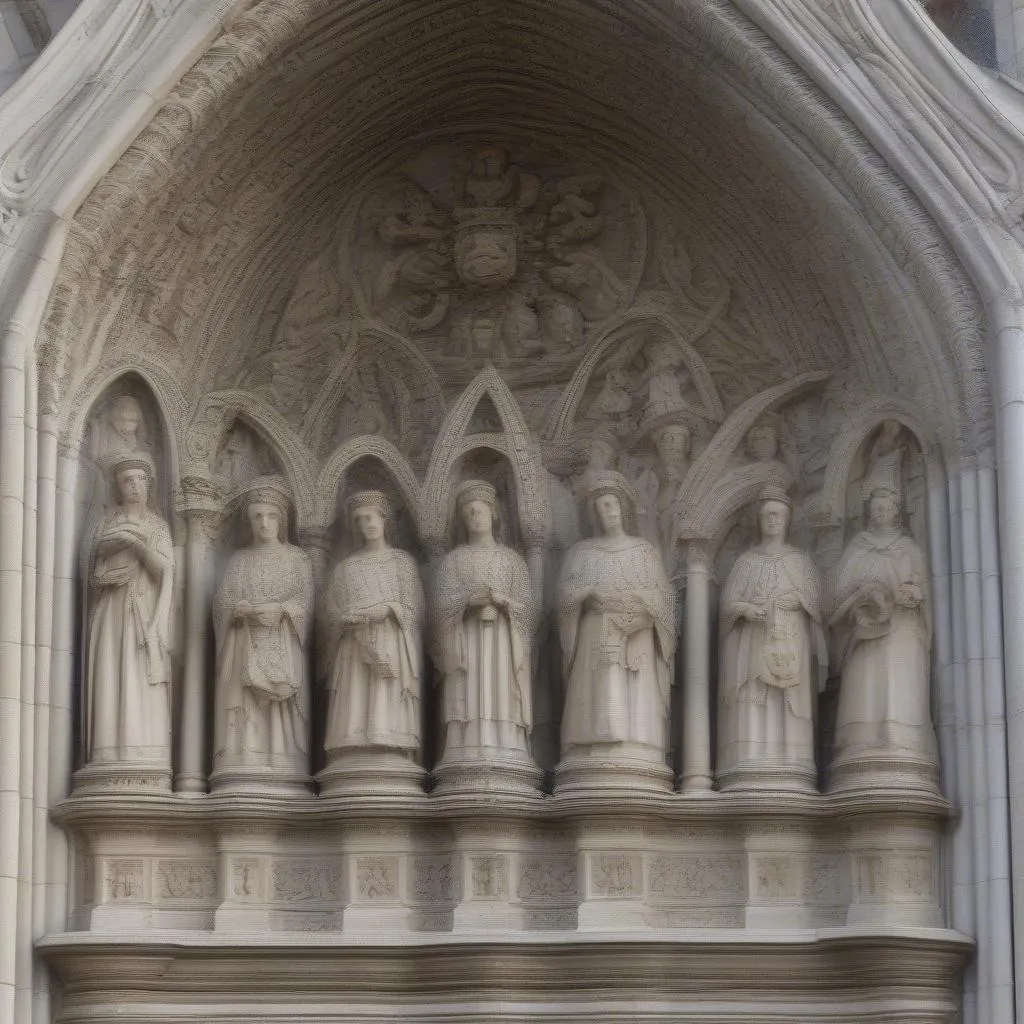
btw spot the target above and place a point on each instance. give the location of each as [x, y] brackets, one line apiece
[371, 773]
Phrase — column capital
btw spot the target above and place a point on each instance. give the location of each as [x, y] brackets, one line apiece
[697, 554]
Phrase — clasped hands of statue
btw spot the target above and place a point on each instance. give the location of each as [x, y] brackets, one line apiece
[268, 614]
[364, 616]
[125, 537]
[486, 602]
[788, 601]
[611, 600]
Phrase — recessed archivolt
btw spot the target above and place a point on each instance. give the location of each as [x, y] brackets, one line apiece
[688, 103]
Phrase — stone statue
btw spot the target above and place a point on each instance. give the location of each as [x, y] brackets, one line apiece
[262, 613]
[882, 613]
[617, 617]
[375, 601]
[483, 618]
[773, 656]
[131, 577]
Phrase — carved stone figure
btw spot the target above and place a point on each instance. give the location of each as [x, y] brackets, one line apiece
[262, 613]
[118, 431]
[773, 657]
[617, 617]
[883, 723]
[131, 575]
[483, 616]
[375, 603]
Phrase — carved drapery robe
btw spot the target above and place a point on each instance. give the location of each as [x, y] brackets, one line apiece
[769, 668]
[617, 661]
[127, 703]
[261, 716]
[884, 690]
[375, 678]
[485, 661]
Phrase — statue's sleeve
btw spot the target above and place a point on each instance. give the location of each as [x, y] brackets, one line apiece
[807, 580]
[297, 603]
[573, 589]
[227, 596]
[662, 602]
[163, 548]
[412, 603]
[734, 592]
[450, 599]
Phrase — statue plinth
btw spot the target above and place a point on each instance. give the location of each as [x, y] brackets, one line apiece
[491, 771]
[875, 770]
[371, 773]
[617, 768]
[135, 778]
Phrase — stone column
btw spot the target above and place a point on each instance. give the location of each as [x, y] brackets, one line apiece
[697, 674]
[199, 504]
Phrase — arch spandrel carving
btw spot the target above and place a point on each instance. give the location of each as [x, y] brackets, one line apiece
[828, 507]
[213, 418]
[515, 442]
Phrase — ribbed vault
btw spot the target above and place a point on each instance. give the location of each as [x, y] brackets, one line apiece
[241, 179]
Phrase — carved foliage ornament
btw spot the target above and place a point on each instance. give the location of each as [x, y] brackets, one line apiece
[493, 256]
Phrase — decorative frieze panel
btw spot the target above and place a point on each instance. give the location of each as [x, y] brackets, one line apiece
[326, 865]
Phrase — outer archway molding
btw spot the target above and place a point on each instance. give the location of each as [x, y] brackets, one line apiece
[948, 131]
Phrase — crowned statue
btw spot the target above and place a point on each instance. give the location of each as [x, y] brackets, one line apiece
[483, 622]
[773, 659]
[262, 613]
[884, 732]
[616, 613]
[127, 716]
[375, 607]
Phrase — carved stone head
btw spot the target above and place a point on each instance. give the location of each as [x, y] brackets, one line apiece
[369, 514]
[133, 474]
[267, 499]
[486, 250]
[762, 441]
[883, 511]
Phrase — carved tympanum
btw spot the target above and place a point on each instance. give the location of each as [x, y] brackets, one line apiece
[131, 569]
[773, 656]
[617, 618]
[262, 613]
[483, 616]
[375, 607]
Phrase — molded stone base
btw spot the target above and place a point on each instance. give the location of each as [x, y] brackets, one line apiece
[137, 778]
[884, 770]
[489, 774]
[371, 773]
[785, 778]
[594, 771]
[259, 780]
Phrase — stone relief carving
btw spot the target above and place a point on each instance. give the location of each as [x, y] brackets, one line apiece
[262, 615]
[127, 721]
[483, 621]
[617, 617]
[773, 659]
[490, 255]
[375, 604]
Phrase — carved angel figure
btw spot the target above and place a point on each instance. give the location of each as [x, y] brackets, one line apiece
[483, 615]
[131, 576]
[773, 655]
[262, 614]
[375, 600]
[882, 609]
[617, 620]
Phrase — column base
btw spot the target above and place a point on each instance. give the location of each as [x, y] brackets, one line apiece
[140, 778]
[260, 780]
[778, 778]
[371, 773]
[615, 767]
[492, 771]
[884, 770]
